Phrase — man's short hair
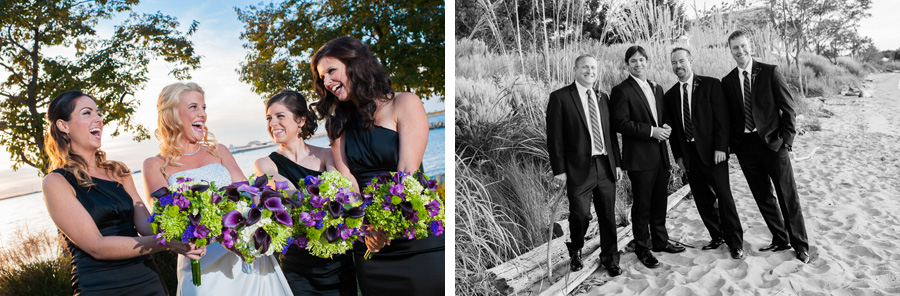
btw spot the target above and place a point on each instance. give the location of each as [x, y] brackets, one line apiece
[633, 50]
[581, 57]
[735, 35]
[681, 48]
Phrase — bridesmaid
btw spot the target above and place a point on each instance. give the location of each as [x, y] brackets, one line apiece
[94, 203]
[290, 122]
[373, 130]
[188, 149]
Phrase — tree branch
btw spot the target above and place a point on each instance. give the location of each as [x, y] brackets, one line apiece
[13, 71]
[25, 160]
[9, 33]
[16, 98]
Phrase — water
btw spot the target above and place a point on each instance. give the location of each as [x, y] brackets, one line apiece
[29, 209]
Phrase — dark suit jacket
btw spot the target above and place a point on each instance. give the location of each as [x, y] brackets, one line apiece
[773, 106]
[709, 118]
[568, 139]
[632, 118]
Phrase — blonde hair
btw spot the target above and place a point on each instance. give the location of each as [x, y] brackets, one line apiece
[170, 127]
[56, 145]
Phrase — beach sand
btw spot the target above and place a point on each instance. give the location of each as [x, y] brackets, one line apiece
[850, 194]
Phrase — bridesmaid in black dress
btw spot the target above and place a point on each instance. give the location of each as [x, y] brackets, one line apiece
[374, 129]
[93, 202]
[290, 122]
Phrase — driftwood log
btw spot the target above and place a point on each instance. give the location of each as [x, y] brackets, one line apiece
[528, 273]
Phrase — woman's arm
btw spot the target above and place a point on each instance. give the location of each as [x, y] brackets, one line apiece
[74, 221]
[340, 161]
[412, 125]
[153, 177]
[265, 166]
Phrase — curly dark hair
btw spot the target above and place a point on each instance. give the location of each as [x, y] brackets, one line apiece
[295, 102]
[368, 80]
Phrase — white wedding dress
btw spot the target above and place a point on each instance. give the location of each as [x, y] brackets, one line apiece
[221, 271]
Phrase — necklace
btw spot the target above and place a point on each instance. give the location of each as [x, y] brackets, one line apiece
[195, 152]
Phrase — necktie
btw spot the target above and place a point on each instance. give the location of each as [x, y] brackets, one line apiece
[748, 111]
[686, 109]
[597, 134]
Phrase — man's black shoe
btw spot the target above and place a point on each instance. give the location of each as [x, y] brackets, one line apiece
[737, 253]
[775, 248]
[648, 260]
[714, 244]
[670, 248]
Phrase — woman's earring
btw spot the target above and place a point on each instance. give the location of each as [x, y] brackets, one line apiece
[67, 138]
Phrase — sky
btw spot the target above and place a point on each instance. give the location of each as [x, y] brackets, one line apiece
[217, 40]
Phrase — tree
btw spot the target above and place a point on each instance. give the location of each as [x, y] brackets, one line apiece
[110, 69]
[406, 36]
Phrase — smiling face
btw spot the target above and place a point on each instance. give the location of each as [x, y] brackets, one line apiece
[192, 113]
[681, 64]
[334, 76]
[586, 72]
[85, 125]
[740, 50]
[636, 64]
[282, 124]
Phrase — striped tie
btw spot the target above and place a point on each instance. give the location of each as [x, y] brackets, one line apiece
[748, 111]
[686, 108]
[597, 134]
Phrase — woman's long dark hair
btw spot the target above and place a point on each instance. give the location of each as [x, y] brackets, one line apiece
[295, 102]
[57, 144]
[368, 80]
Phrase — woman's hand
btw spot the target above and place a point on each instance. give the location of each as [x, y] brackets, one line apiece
[188, 250]
[375, 240]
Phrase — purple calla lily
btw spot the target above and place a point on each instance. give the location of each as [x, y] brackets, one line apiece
[195, 219]
[233, 219]
[199, 187]
[261, 181]
[274, 204]
[267, 193]
[231, 191]
[253, 216]
[294, 203]
[215, 198]
[406, 207]
[249, 189]
[283, 217]
[356, 212]
[335, 209]
[281, 185]
[261, 240]
[332, 234]
[398, 177]
[160, 192]
[313, 189]
[383, 178]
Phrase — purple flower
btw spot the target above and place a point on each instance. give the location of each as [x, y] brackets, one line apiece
[397, 189]
[162, 240]
[344, 231]
[356, 212]
[332, 234]
[290, 241]
[150, 219]
[320, 223]
[398, 177]
[335, 209]
[313, 189]
[261, 181]
[283, 217]
[248, 189]
[166, 200]
[182, 202]
[163, 191]
[383, 178]
[281, 185]
[406, 207]
[317, 201]
[231, 191]
[228, 237]
[195, 219]
[182, 179]
[274, 204]
[343, 195]
[215, 198]
[301, 241]
[261, 240]
[253, 216]
[201, 231]
[434, 208]
[311, 180]
[188, 233]
[199, 188]
[233, 219]
[410, 233]
[437, 227]
[387, 206]
[310, 218]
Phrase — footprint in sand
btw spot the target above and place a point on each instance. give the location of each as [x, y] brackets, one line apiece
[739, 273]
[698, 272]
[865, 252]
[874, 212]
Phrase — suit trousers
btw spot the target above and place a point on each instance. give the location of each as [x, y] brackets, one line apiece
[783, 215]
[601, 189]
[648, 212]
[712, 195]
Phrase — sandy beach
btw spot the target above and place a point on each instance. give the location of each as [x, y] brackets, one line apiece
[850, 195]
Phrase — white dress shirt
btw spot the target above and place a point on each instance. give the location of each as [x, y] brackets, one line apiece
[740, 73]
[651, 99]
[582, 94]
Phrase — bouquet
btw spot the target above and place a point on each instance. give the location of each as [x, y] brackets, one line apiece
[187, 211]
[329, 214]
[404, 205]
[257, 221]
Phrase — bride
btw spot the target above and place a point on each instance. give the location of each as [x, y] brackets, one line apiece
[188, 149]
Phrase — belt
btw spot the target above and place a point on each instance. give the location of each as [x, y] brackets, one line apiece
[598, 156]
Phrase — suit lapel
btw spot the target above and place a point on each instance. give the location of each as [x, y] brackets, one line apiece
[576, 99]
[604, 121]
[755, 71]
[660, 107]
[694, 86]
[640, 92]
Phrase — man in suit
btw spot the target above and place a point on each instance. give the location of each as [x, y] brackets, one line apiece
[698, 114]
[762, 132]
[637, 106]
[584, 154]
